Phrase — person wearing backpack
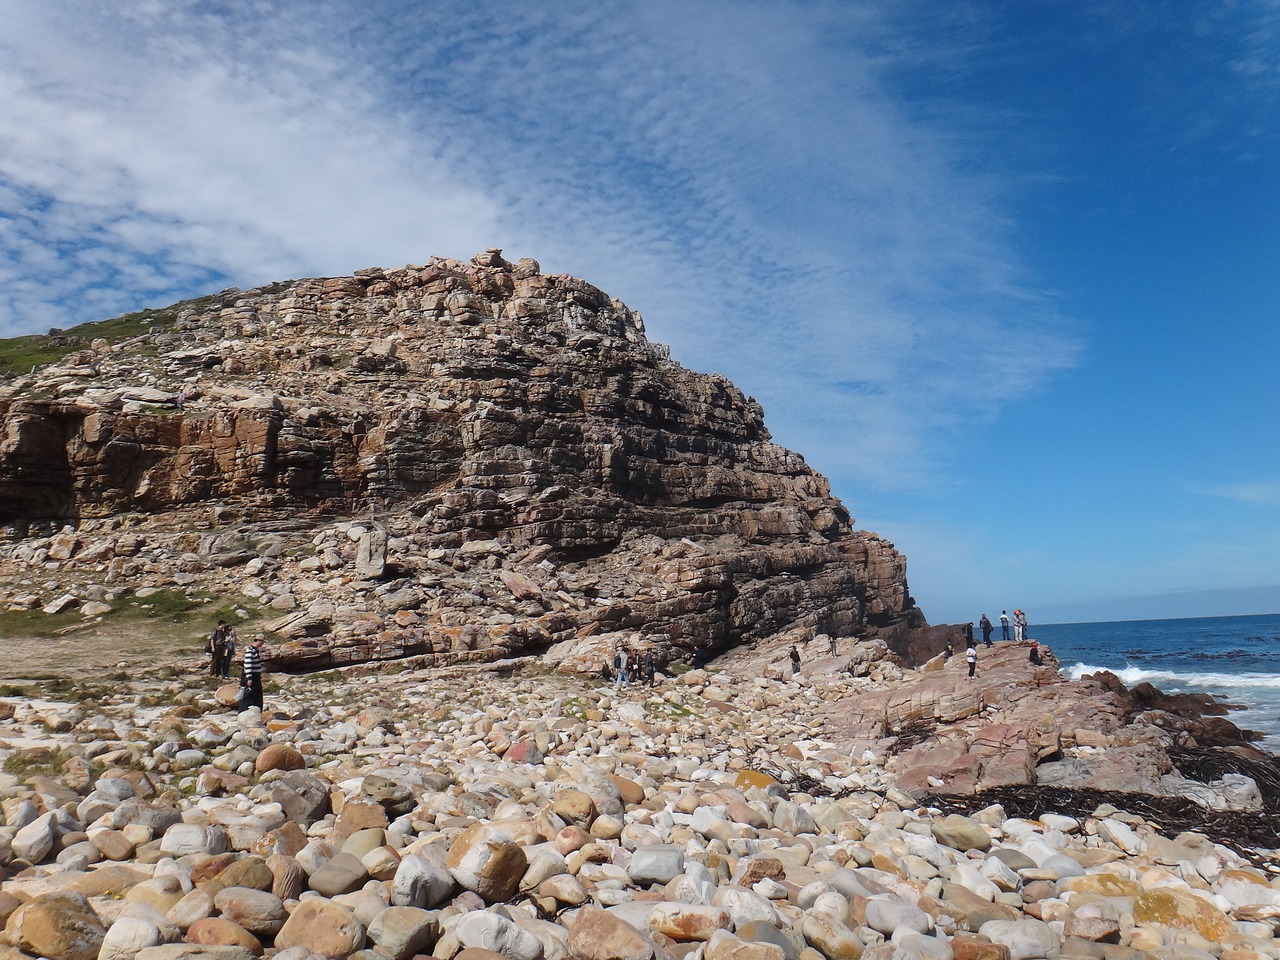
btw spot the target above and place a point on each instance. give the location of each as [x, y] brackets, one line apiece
[229, 654]
[218, 662]
[621, 673]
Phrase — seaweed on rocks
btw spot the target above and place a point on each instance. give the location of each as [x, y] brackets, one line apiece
[1255, 836]
[913, 733]
[1206, 765]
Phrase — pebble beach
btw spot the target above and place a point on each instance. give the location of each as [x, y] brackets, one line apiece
[507, 810]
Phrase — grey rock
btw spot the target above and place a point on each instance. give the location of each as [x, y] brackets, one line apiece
[342, 873]
[655, 864]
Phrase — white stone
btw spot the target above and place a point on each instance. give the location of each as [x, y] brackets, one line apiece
[481, 928]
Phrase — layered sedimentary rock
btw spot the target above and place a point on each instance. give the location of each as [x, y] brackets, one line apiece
[457, 459]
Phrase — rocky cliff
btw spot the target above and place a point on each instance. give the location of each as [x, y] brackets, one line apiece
[465, 460]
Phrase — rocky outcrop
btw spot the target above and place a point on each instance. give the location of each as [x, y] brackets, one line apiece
[1019, 724]
[532, 469]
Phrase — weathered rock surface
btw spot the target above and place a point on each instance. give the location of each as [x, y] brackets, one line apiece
[534, 472]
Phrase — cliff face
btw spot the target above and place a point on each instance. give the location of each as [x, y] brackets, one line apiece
[461, 459]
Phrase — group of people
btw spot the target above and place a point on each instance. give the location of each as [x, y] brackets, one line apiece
[222, 650]
[987, 627]
[222, 653]
[626, 667]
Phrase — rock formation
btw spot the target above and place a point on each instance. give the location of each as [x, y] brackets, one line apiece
[456, 459]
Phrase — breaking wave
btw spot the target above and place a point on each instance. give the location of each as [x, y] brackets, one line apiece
[1130, 676]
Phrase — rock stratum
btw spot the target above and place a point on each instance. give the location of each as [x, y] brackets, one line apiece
[459, 460]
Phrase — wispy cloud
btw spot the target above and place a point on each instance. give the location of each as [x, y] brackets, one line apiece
[1261, 492]
[740, 173]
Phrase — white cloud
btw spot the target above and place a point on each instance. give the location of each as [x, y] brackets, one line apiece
[736, 172]
[1259, 492]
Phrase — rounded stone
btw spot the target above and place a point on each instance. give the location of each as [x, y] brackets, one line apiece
[279, 756]
[323, 927]
[402, 932]
[58, 925]
[888, 916]
[258, 911]
[219, 931]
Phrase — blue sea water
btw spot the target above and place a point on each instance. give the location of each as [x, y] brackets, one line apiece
[1236, 658]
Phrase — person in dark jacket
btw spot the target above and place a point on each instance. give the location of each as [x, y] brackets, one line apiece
[218, 650]
[985, 625]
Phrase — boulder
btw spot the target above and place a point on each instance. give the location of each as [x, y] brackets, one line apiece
[487, 861]
[60, 926]
[323, 927]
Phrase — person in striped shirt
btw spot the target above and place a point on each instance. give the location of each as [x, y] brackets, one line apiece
[251, 681]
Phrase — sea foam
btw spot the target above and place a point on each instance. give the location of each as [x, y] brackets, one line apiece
[1130, 676]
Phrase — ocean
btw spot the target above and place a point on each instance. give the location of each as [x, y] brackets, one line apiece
[1236, 658]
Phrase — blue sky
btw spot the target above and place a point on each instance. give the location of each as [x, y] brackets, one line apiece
[1005, 272]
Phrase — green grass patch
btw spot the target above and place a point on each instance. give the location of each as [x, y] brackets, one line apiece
[36, 762]
[35, 623]
[19, 354]
[667, 710]
[168, 605]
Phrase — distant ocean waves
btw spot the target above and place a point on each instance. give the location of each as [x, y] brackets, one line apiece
[1236, 659]
[1177, 682]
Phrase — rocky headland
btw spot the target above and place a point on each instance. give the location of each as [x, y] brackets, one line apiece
[469, 460]
[446, 493]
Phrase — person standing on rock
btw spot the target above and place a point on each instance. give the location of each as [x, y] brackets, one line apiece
[620, 672]
[831, 643]
[699, 656]
[648, 667]
[1019, 625]
[1004, 623]
[795, 661]
[986, 626]
[251, 681]
[218, 650]
[971, 658]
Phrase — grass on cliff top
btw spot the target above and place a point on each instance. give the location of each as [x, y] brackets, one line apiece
[173, 606]
[19, 354]
[165, 632]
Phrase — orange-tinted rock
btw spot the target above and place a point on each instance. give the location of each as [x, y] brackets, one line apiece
[973, 947]
[279, 756]
[58, 925]
[323, 927]
[1184, 911]
[218, 931]
[487, 861]
[598, 935]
